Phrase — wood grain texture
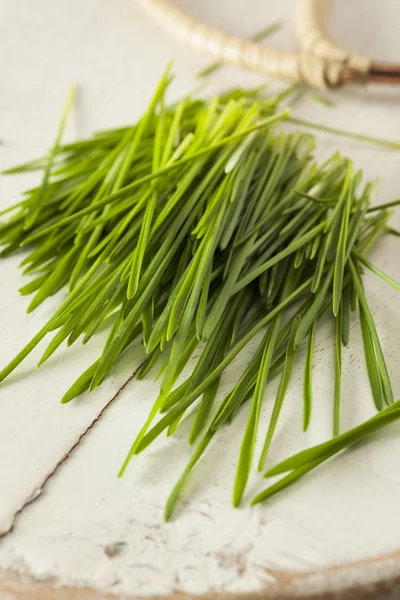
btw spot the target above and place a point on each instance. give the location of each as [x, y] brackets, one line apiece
[91, 536]
[329, 584]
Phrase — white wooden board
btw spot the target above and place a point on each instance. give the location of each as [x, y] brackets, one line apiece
[346, 512]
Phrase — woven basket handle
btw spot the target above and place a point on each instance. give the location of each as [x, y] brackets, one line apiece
[320, 63]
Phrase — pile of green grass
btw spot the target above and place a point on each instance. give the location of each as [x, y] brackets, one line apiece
[204, 224]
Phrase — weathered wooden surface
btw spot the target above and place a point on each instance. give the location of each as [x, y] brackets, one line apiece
[89, 531]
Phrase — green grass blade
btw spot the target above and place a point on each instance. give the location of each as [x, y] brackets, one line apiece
[364, 261]
[384, 375]
[32, 216]
[307, 381]
[283, 385]
[335, 445]
[286, 481]
[384, 206]
[338, 373]
[174, 495]
[342, 243]
[249, 438]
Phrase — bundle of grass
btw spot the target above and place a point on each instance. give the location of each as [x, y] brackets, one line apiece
[205, 223]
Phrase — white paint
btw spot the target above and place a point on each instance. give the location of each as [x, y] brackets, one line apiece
[347, 510]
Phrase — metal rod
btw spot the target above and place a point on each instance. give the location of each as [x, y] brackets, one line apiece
[385, 73]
